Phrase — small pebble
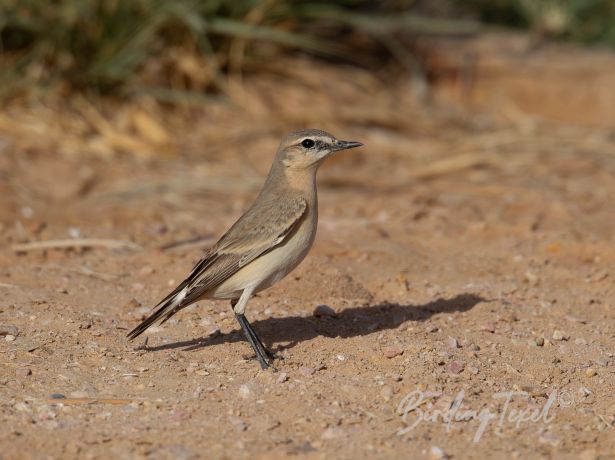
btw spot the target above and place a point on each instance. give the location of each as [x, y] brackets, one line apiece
[6, 330]
[307, 371]
[74, 232]
[238, 424]
[85, 324]
[332, 432]
[23, 372]
[132, 303]
[27, 212]
[431, 328]
[453, 342]
[244, 391]
[531, 278]
[437, 453]
[488, 327]
[22, 407]
[179, 416]
[324, 311]
[539, 341]
[9, 338]
[576, 319]
[206, 321]
[549, 438]
[57, 396]
[283, 377]
[559, 335]
[392, 352]
[387, 393]
[455, 367]
[591, 372]
[214, 331]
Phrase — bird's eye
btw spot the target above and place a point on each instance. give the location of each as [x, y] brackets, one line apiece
[307, 143]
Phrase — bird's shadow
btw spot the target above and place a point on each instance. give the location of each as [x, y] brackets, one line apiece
[350, 322]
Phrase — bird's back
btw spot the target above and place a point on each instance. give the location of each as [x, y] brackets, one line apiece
[275, 263]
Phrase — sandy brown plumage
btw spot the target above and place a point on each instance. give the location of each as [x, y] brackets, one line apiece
[267, 241]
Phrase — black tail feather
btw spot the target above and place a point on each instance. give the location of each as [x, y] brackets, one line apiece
[168, 307]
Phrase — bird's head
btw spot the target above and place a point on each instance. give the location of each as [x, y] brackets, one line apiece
[309, 147]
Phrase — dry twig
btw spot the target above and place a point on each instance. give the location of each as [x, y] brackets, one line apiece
[74, 243]
[81, 401]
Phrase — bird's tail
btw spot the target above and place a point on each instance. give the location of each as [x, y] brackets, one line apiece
[164, 310]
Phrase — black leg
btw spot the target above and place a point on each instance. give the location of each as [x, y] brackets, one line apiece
[262, 354]
[259, 342]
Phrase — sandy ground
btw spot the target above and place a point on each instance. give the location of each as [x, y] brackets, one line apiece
[468, 264]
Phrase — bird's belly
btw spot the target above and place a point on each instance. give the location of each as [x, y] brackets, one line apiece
[271, 267]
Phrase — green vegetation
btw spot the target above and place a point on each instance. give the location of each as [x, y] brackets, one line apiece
[584, 21]
[126, 46]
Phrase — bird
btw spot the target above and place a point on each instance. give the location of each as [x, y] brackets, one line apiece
[266, 243]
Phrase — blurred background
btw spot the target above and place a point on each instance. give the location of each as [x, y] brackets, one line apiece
[127, 76]
[469, 245]
[207, 88]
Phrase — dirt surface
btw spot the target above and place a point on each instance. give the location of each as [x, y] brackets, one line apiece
[464, 258]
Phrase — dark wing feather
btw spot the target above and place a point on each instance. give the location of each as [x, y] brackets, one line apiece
[249, 238]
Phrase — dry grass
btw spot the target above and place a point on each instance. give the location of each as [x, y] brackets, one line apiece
[290, 95]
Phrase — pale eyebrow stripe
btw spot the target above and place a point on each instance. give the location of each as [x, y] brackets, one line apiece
[317, 140]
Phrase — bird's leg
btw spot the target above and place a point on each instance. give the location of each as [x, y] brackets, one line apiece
[258, 341]
[262, 354]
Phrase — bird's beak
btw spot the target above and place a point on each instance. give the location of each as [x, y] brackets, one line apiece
[345, 145]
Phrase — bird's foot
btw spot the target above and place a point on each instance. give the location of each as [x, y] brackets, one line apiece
[265, 361]
[263, 355]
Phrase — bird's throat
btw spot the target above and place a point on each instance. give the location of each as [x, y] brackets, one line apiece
[302, 179]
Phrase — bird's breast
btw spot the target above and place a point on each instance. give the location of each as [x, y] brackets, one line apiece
[271, 267]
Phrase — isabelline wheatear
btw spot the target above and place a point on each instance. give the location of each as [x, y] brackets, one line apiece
[267, 242]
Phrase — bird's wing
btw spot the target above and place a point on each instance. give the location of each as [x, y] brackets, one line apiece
[249, 238]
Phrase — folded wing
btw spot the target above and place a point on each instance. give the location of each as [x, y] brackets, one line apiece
[249, 238]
